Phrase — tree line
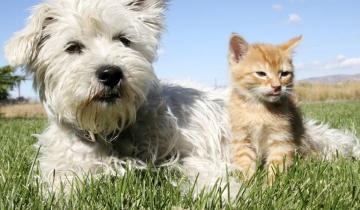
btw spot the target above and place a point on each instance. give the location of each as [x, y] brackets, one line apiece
[8, 81]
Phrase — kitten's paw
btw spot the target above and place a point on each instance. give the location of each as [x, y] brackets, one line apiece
[272, 171]
[248, 175]
[249, 172]
[270, 179]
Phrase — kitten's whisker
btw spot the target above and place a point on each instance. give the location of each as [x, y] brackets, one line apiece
[290, 93]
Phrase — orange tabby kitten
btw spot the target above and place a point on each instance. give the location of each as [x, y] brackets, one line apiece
[266, 123]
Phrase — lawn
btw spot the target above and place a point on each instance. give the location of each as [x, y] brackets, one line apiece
[309, 184]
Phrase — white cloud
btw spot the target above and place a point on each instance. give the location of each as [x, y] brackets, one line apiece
[338, 63]
[340, 57]
[294, 18]
[343, 63]
[277, 7]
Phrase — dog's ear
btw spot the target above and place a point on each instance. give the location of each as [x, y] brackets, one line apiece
[140, 5]
[151, 12]
[23, 47]
[238, 48]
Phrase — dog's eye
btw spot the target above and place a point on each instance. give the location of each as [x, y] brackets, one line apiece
[123, 39]
[74, 47]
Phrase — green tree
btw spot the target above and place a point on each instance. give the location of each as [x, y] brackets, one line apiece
[8, 80]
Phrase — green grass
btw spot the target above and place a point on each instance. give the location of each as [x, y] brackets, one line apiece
[309, 184]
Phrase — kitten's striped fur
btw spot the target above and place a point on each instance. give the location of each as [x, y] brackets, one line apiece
[266, 124]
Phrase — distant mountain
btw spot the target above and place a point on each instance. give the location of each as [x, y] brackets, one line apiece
[333, 79]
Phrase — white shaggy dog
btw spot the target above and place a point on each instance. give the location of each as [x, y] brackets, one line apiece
[92, 66]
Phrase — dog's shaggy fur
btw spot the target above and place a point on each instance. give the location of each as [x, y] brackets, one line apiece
[95, 128]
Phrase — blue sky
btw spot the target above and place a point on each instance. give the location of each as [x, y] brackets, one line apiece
[194, 46]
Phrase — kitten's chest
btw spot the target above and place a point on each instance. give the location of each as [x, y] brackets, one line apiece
[264, 127]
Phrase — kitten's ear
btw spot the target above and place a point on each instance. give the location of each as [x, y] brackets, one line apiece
[22, 48]
[238, 48]
[290, 45]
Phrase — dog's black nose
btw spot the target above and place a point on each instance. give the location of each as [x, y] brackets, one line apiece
[109, 75]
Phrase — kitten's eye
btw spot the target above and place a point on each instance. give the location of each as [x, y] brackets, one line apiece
[74, 47]
[123, 39]
[284, 73]
[261, 73]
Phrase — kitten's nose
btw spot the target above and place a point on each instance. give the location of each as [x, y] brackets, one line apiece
[276, 88]
[109, 75]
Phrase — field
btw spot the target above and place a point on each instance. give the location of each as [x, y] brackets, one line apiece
[328, 92]
[26, 110]
[309, 184]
